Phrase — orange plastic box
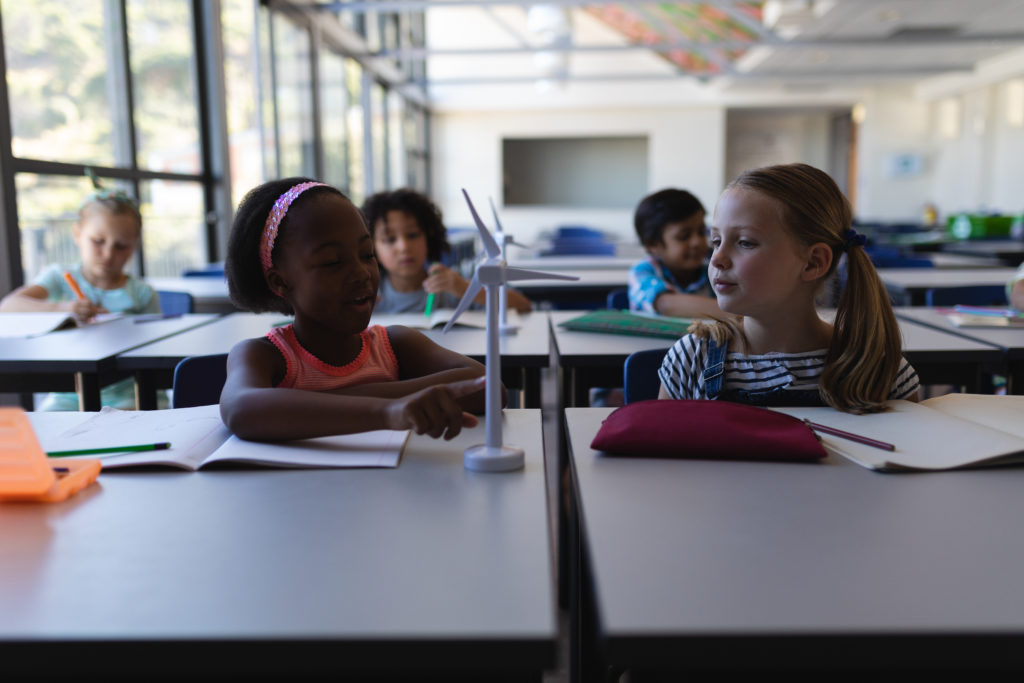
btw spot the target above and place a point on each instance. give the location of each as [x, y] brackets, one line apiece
[26, 474]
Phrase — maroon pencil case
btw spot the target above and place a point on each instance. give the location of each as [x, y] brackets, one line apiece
[687, 428]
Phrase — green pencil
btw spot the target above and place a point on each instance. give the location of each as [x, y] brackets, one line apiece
[112, 449]
[430, 305]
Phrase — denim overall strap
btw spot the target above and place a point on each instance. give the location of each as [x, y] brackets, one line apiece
[714, 371]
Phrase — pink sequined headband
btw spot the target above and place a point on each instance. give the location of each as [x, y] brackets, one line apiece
[277, 214]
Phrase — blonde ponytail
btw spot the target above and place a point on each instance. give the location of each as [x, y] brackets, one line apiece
[864, 356]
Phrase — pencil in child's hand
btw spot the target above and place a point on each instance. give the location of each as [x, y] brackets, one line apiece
[73, 285]
[850, 436]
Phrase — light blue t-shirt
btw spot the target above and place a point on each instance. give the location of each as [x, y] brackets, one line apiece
[134, 297]
[393, 301]
[649, 278]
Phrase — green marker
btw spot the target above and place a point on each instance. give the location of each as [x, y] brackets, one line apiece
[112, 449]
[430, 298]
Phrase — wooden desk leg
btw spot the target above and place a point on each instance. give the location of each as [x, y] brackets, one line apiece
[145, 391]
[87, 386]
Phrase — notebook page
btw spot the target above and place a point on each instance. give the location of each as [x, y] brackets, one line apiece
[381, 448]
[193, 433]
[925, 438]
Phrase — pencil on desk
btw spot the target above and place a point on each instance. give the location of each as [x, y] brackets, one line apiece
[850, 436]
[73, 285]
[111, 449]
[429, 308]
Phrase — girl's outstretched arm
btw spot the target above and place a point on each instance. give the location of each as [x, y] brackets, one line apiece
[34, 298]
[252, 408]
[421, 364]
[444, 279]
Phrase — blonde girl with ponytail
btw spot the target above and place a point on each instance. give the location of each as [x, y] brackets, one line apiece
[776, 236]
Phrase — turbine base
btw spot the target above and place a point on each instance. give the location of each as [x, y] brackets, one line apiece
[481, 458]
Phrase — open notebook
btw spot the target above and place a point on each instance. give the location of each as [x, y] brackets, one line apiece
[33, 324]
[420, 321]
[943, 433]
[978, 316]
[199, 438]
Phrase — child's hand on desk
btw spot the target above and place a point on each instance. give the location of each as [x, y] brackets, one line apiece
[443, 279]
[435, 411]
[84, 310]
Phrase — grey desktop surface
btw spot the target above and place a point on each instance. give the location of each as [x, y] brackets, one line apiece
[527, 348]
[1009, 339]
[88, 348]
[688, 551]
[427, 560]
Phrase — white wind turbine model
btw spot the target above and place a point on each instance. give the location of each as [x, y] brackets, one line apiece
[504, 240]
[491, 274]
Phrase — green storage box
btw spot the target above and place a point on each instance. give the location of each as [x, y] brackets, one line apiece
[966, 226]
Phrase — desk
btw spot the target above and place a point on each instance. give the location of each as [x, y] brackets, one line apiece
[210, 294]
[522, 355]
[423, 568]
[1011, 341]
[1010, 252]
[81, 359]
[590, 359]
[907, 285]
[591, 289]
[758, 566]
[593, 359]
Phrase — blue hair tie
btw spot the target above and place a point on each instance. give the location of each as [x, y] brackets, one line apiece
[852, 238]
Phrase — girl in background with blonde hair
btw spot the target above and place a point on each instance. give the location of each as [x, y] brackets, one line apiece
[777, 235]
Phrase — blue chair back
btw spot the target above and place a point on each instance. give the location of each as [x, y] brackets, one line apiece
[209, 270]
[618, 299]
[640, 381]
[176, 303]
[580, 246]
[577, 232]
[198, 380]
[968, 295]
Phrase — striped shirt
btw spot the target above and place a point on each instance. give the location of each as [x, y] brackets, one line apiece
[682, 371]
[376, 362]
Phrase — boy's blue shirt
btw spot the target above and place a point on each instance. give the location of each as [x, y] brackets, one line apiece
[650, 278]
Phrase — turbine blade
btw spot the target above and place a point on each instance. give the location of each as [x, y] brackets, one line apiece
[497, 221]
[490, 246]
[523, 274]
[467, 299]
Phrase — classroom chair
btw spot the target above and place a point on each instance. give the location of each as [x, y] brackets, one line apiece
[968, 295]
[640, 374]
[618, 299]
[209, 270]
[176, 303]
[198, 380]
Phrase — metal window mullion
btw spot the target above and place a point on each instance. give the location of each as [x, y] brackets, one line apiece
[365, 97]
[123, 72]
[315, 42]
[273, 93]
[10, 246]
[213, 127]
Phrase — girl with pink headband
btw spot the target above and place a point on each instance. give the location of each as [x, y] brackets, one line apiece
[300, 247]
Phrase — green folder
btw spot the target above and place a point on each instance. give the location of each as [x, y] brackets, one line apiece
[622, 322]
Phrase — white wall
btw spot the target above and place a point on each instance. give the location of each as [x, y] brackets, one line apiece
[762, 138]
[896, 123]
[686, 149]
